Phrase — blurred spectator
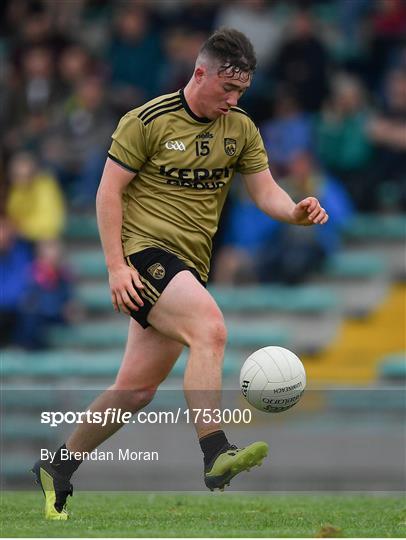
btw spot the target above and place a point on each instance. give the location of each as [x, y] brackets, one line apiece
[57, 105]
[135, 58]
[36, 91]
[30, 134]
[341, 138]
[32, 25]
[196, 16]
[388, 34]
[288, 132]
[260, 249]
[74, 65]
[48, 299]
[302, 62]
[35, 203]
[255, 19]
[15, 258]
[181, 48]
[77, 149]
[388, 132]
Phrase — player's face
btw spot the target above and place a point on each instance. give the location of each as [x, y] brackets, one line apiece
[221, 92]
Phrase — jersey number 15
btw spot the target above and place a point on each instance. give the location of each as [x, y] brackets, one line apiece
[202, 148]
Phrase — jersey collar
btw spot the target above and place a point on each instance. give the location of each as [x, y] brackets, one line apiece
[189, 110]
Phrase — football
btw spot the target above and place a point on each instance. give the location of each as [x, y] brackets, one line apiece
[272, 379]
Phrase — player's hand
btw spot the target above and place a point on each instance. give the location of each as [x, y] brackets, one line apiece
[309, 212]
[124, 282]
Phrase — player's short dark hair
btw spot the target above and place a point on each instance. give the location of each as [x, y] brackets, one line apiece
[232, 49]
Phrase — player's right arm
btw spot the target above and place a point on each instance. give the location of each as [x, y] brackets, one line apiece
[123, 280]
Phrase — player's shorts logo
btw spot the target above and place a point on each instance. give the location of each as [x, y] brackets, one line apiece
[230, 146]
[157, 271]
[175, 145]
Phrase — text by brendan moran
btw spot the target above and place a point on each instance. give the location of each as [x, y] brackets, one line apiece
[122, 454]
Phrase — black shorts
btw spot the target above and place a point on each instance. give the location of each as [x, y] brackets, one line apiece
[156, 268]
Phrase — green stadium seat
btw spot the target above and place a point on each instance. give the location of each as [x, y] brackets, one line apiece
[88, 264]
[13, 467]
[95, 297]
[354, 265]
[309, 314]
[359, 278]
[393, 368]
[377, 227]
[367, 400]
[298, 299]
[102, 335]
[25, 427]
[34, 399]
[57, 364]
[274, 298]
[81, 227]
[60, 364]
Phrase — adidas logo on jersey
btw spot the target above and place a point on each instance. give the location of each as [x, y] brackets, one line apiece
[175, 145]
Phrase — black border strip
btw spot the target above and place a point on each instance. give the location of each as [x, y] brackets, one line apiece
[165, 106]
[122, 164]
[176, 96]
[160, 113]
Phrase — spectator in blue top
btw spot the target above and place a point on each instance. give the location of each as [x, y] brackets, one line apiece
[15, 258]
[257, 248]
[288, 132]
[48, 298]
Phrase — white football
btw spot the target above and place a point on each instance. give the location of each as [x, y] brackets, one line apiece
[272, 379]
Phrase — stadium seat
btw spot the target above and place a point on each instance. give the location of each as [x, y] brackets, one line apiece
[383, 235]
[377, 227]
[95, 297]
[354, 265]
[305, 299]
[360, 280]
[89, 264]
[56, 364]
[311, 315]
[393, 368]
[274, 298]
[81, 227]
[23, 426]
[13, 467]
[366, 400]
[107, 335]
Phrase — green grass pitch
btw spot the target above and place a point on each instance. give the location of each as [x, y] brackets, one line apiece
[213, 515]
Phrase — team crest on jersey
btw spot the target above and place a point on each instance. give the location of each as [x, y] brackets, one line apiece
[157, 271]
[230, 146]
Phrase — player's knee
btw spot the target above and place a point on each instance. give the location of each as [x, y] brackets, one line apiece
[218, 334]
[135, 399]
[211, 333]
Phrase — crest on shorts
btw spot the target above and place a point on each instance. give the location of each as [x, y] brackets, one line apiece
[157, 271]
[230, 146]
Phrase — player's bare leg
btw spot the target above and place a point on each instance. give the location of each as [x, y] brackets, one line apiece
[185, 311]
[148, 358]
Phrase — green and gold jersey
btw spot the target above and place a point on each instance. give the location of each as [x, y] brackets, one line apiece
[184, 166]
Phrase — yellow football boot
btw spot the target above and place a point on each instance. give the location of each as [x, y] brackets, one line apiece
[231, 461]
[56, 489]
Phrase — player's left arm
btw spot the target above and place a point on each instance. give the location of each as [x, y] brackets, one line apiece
[276, 203]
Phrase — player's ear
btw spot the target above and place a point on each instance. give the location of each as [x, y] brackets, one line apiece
[199, 74]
